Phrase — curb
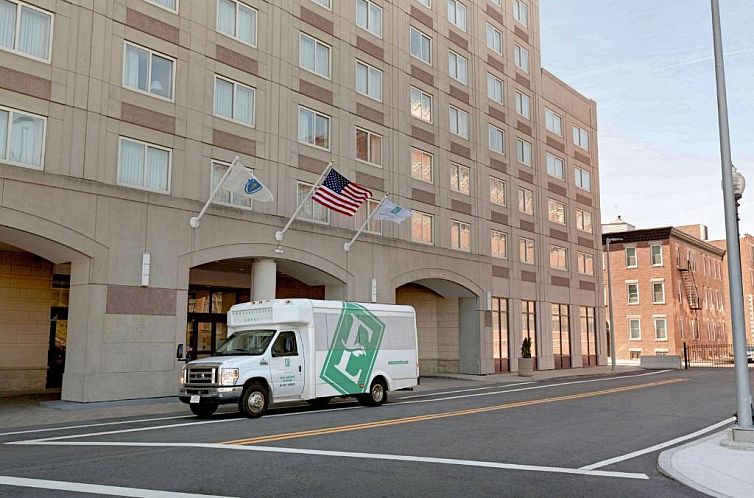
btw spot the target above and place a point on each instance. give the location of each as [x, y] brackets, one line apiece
[666, 468]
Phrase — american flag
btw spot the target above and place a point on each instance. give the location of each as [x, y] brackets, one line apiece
[340, 194]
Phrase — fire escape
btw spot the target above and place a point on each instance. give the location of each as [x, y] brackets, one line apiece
[689, 286]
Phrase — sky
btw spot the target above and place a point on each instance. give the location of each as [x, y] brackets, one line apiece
[649, 66]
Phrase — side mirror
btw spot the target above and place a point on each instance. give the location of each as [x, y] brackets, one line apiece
[179, 352]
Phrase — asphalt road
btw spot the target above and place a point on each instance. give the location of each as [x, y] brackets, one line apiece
[480, 440]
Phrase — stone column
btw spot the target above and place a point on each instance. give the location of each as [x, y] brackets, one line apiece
[263, 279]
[574, 323]
[471, 331]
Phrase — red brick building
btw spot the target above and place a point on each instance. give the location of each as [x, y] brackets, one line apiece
[746, 245]
[668, 287]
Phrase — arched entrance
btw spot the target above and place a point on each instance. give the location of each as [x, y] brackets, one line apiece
[217, 285]
[449, 320]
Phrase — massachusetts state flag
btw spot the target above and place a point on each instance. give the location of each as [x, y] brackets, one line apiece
[340, 194]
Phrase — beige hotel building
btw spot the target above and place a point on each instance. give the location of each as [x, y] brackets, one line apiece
[117, 118]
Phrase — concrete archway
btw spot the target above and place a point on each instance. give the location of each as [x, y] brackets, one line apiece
[449, 317]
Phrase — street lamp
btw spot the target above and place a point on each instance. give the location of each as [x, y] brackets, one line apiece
[610, 301]
[743, 430]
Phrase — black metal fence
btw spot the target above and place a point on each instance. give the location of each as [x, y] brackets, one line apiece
[712, 355]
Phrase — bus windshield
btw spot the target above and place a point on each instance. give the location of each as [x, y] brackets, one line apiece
[247, 342]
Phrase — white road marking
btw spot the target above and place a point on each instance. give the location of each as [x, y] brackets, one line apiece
[85, 426]
[530, 388]
[218, 421]
[672, 442]
[367, 456]
[81, 487]
[460, 391]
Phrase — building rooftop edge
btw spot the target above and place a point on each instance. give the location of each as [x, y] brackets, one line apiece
[659, 233]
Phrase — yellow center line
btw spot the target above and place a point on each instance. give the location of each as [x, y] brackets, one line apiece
[435, 416]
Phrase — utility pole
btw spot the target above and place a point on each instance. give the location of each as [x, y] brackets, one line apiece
[743, 430]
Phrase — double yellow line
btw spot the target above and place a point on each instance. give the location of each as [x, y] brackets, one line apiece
[435, 416]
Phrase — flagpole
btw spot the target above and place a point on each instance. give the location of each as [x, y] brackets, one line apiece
[281, 233]
[194, 221]
[347, 245]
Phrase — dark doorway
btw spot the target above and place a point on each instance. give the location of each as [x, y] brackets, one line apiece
[56, 351]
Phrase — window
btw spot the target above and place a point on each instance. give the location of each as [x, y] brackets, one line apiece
[310, 210]
[223, 196]
[234, 101]
[147, 71]
[368, 147]
[426, 3]
[458, 67]
[237, 20]
[144, 166]
[500, 333]
[588, 328]
[523, 152]
[369, 17]
[583, 220]
[580, 138]
[494, 39]
[497, 191]
[25, 29]
[459, 122]
[460, 236]
[658, 292]
[558, 258]
[523, 105]
[499, 244]
[421, 105]
[374, 226]
[323, 3]
[421, 46]
[171, 5]
[457, 14]
[661, 352]
[656, 255]
[661, 329]
[497, 139]
[313, 128]
[314, 55]
[459, 178]
[561, 340]
[521, 57]
[555, 166]
[553, 122]
[631, 257]
[529, 324]
[583, 179]
[521, 12]
[526, 250]
[585, 263]
[284, 345]
[633, 292]
[634, 329]
[421, 165]
[556, 211]
[494, 88]
[369, 81]
[421, 227]
[525, 200]
[634, 354]
[22, 138]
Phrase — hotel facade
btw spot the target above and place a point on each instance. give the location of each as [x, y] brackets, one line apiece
[117, 119]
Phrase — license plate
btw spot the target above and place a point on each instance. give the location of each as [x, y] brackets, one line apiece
[194, 399]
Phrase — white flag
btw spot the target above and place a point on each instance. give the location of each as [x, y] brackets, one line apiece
[390, 211]
[241, 181]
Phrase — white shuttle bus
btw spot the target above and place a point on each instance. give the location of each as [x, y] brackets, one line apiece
[300, 349]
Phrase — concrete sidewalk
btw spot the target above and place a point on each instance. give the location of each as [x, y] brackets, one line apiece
[27, 411]
[711, 467]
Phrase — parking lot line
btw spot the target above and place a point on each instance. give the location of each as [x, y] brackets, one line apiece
[81, 487]
[358, 455]
[441, 415]
[672, 442]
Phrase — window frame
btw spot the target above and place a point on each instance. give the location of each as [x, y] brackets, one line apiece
[302, 35]
[235, 85]
[655, 320]
[562, 251]
[521, 148]
[358, 222]
[557, 204]
[518, 52]
[636, 257]
[499, 36]
[121, 138]
[366, 28]
[582, 258]
[369, 68]
[431, 165]
[459, 113]
[652, 255]
[581, 226]
[311, 220]
[490, 129]
[521, 98]
[7, 160]
[235, 36]
[630, 330]
[316, 113]
[582, 133]
[423, 94]
[579, 175]
[503, 188]
[431, 218]
[17, 25]
[424, 35]
[369, 148]
[527, 193]
[457, 188]
[231, 204]
[177, 5]
[661, 282]
[523, 255]
[503, 238]
[151, 52]
[460, 225]
[465, 14]
[551, 115]
[327, 7]
[516, 12]
[555, 159]
[453, 54]
[630, 283]
[502, 88]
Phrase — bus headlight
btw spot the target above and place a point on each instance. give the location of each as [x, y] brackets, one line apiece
[228, 376]
[183, 376]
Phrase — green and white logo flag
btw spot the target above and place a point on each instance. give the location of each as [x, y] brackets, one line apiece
[390, 211]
